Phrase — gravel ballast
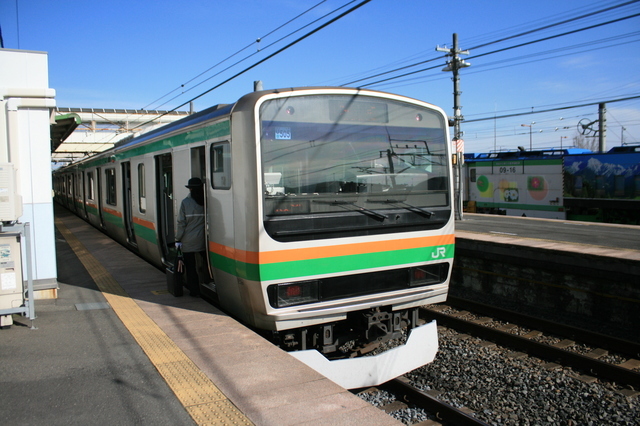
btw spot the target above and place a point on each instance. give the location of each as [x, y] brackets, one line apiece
[504, 389]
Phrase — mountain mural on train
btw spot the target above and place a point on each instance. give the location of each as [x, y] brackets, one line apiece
[610, 175]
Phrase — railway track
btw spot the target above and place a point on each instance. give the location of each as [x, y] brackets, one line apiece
[589, 364]
[632, 349]
[407, 395]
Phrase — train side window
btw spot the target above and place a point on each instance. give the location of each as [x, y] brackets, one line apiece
[220, 165]
[142, 192]
[472, 175]
[110, 178]
[90, 194]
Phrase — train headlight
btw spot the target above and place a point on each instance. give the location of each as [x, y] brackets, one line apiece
[292, 294]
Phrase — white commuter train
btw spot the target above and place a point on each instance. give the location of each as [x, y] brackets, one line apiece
[329, 211]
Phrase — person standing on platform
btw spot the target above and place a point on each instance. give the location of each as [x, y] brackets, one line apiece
[190, 235]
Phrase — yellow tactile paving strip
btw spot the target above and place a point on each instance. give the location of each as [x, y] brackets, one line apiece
[200, 397]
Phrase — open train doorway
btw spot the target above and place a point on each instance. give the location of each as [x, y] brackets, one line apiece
[99, 196]
[199, 170]
[127, 203]
[165, 209]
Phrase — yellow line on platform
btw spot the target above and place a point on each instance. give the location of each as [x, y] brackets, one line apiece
[206, 404]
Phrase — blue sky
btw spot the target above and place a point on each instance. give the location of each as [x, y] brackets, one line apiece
[129, 54]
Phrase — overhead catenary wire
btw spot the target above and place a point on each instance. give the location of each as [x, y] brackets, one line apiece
[298, 40]
[553, 109]
[555, 24]
[594, 11]
[510, 62]
[255, 53]
[240, 51]
[537, 29]
[498, 50]
[535, 110]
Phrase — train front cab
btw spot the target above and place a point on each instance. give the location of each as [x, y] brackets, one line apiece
[346, 216]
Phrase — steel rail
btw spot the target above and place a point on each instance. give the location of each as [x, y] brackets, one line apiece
[443, 411]
[589, 365]
[585, 336]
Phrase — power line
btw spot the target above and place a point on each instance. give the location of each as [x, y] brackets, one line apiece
[557, 35]
[566, 21]
[594, 10]
[511, 61]
[237, 53]
[552, 109]
[310, 33]
[500, 50]
[255, 53]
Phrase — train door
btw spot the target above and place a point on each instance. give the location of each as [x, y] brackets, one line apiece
[127, 203]
[99, 196]
[164, 197]
[83, 192]
[220, 220]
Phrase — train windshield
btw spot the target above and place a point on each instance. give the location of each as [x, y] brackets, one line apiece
[328, 153]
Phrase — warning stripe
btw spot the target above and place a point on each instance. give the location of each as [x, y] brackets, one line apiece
[206, 404]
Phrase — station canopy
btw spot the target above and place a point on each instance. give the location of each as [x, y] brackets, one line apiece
[81, 132]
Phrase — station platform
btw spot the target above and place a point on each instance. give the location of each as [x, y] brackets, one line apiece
[582, 274]
[117, 348]
[602, 239]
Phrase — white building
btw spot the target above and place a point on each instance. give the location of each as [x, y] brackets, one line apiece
[26, 105]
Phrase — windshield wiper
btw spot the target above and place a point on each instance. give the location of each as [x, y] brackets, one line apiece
[358, 209]
[407, 206]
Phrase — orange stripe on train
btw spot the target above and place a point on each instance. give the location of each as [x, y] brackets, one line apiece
[292, 255]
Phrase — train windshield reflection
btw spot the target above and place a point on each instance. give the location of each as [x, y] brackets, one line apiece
[352, 151]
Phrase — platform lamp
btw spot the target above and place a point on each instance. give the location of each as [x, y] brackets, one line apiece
[530, 126]
[562, 137]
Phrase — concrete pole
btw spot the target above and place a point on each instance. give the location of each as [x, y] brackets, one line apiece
[602, 125]
[457, 133]
[454, 65]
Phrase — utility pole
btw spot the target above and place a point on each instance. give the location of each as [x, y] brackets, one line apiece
[454, 65]
[602, 125]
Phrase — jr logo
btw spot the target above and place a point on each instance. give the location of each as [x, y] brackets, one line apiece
[440, 252]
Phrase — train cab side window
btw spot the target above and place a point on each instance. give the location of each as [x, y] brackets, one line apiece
[142, 193]
[110, 179]
[220, 165]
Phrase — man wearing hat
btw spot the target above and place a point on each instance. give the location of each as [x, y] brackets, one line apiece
[190, 235]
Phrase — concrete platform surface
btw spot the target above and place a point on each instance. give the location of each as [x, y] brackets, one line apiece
[117, 348]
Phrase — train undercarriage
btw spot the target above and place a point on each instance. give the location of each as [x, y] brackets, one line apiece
[361, 333]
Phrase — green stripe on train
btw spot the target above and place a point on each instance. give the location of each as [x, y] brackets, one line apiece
[331, 265]
[112, 219]
[145, 233]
